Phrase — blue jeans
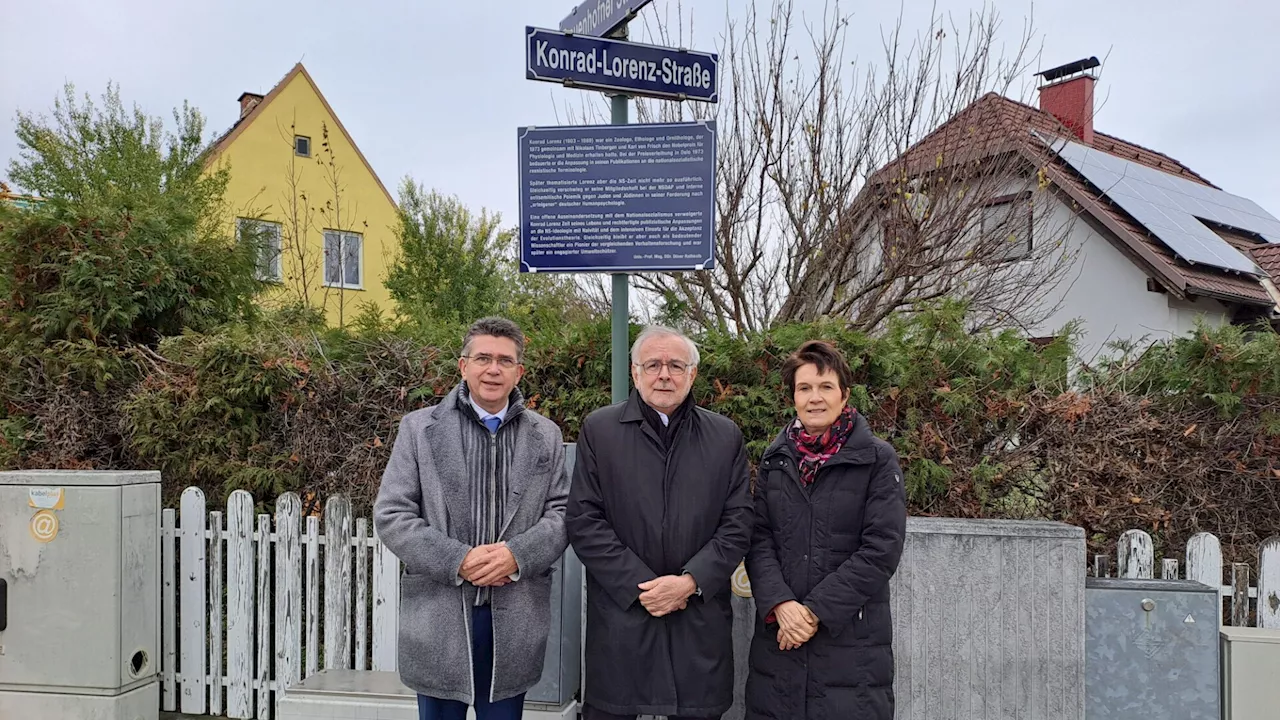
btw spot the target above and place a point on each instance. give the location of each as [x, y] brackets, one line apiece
[482, 658]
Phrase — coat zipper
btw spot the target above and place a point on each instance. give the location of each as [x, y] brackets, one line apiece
[809, 499]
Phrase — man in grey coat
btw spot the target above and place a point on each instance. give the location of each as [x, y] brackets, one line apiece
[472, 502]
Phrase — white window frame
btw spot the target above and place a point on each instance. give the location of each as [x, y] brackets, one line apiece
[296, 138]
[276, 273]
[1012, 211]
[344, 236]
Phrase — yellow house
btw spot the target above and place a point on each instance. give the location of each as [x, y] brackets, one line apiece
[299, 183]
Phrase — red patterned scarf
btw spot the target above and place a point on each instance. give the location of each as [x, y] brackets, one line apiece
[816, 450]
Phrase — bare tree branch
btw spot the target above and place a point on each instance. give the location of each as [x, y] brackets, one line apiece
[819, 213]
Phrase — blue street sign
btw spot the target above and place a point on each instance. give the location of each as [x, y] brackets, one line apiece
[618, 198]
[600, 17]
[633, 68]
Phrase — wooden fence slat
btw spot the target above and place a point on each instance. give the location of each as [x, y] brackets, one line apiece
[1204, 560]
[288, 596]
[215, 613]
[169, 688]
[362, 593]
[313, 595]
[1239, 595]
[192, 595]
[1269, 583]
[240, 587]
[1135, 555]
[386, 606]
[337, 583]
[192, 672]
[264, 617]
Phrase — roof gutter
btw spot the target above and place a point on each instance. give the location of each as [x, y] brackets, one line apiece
[1272, 291]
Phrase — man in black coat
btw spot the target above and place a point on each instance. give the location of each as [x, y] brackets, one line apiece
[660, 515]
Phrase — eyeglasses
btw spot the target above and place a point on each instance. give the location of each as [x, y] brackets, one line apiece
[506, 362]
[654, 367]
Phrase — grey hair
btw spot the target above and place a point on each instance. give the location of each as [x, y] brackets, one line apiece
[657, 331]
[495, 327]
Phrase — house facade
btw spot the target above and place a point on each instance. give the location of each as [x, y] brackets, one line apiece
[1146, 247]
[300, 187]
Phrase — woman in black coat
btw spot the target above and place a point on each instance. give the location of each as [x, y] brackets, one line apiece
[830, 516]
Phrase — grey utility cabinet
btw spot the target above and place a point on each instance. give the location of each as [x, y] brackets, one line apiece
[560, 670]
[1151, 650]
[79, 575]
[1250, 668]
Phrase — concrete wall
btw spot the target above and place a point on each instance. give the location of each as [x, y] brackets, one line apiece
[988, 622]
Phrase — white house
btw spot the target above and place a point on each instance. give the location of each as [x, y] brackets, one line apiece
[1151, 244]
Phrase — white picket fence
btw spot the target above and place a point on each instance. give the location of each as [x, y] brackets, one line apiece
[253, 609]
[244, 607]
[1135, 558]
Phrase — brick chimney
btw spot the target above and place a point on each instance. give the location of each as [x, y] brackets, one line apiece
[1068, 95]
[248, 101]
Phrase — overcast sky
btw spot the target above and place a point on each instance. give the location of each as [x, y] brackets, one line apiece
[435, 89]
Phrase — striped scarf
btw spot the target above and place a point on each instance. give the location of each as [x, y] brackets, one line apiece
[488, 458]
[816, 450]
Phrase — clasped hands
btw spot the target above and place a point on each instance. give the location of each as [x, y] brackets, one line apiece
[667, 594]
[796, 624]
[489, 565]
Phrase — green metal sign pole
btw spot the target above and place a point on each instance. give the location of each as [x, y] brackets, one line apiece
[621, 282]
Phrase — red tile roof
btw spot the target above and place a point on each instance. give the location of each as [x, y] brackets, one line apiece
[1268, 256]
[994, 124]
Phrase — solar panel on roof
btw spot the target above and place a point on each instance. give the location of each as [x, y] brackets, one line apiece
[1171, 207]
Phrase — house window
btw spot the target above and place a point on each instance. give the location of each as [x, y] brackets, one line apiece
[1008, 221]
[266, 237]
[344, 259]
[302, 145]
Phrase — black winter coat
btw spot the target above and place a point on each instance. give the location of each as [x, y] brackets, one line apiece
[833, 547]
[636, 512]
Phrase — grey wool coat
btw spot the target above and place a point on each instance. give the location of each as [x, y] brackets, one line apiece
[423, 515]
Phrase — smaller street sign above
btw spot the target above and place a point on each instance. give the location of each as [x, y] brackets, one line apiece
[600, 17]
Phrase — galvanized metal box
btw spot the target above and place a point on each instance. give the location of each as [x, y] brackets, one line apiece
[80, 561]
[562, 670]
[1250, 673]
[1151, 650]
